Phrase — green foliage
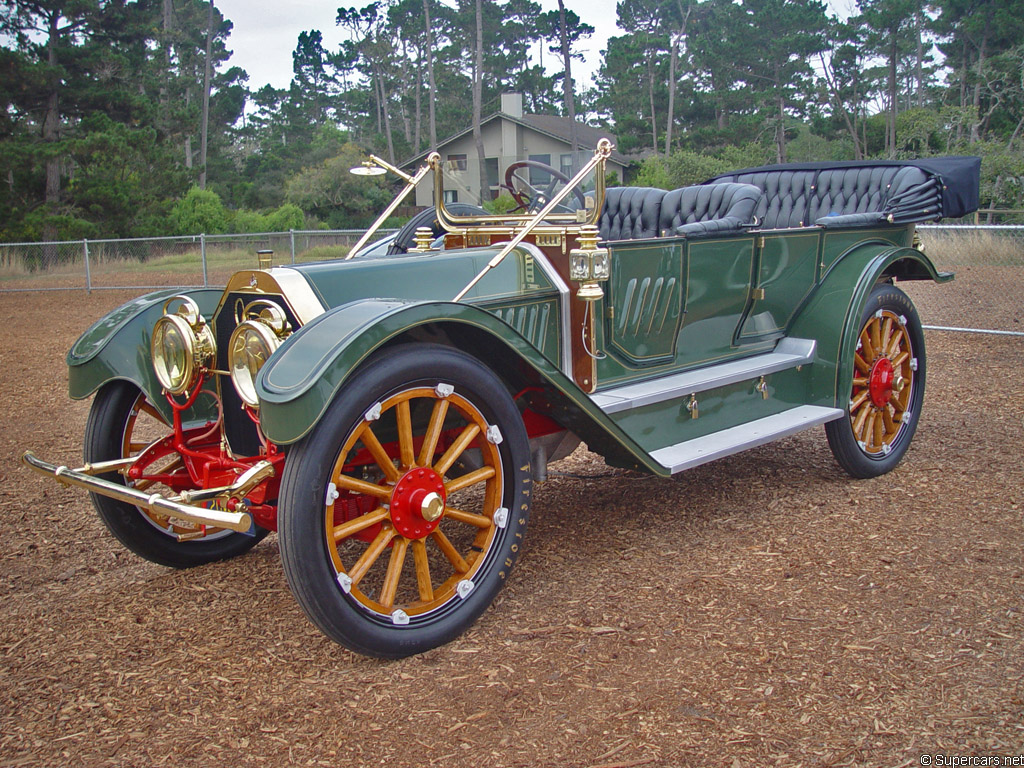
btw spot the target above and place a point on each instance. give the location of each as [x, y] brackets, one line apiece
[807, 147]
[333, 195]
[503, 203]
[200, 212]
[653, 173]
[106, 143]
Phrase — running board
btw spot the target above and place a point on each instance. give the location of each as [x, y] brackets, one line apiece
[694, 452]
[788, 353]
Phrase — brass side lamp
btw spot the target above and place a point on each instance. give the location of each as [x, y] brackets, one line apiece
[589, 265]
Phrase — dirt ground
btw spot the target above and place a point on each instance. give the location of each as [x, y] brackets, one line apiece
[761, 610]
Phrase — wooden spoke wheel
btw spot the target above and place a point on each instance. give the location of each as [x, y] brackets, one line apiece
[415, 487]
[887, 388]
[122, 423]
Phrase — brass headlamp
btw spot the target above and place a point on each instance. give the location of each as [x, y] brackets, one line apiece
[589, 265]
[182, 345]
[263, 328]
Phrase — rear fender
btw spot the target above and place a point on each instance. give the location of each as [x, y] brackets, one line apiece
[833, 314]
[305, 375]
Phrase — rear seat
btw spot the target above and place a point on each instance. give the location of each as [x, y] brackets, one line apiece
[829, 197]
[632, 213]
[708, 209]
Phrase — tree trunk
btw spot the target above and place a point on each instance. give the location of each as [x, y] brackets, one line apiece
[406, 85]
[780, 131]
[567, 85]
[890, 133]
[671, 95]
[840, 107]
[430, 76]
[673, 64]
[387, 117]
[51, 135]
[478, 83]
[418, 123]
[976, 100]
[650, 94]
[205, 126]
[919, 64]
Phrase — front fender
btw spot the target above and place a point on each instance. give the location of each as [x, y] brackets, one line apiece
[833, 314]
[117, 345]
[304, 376]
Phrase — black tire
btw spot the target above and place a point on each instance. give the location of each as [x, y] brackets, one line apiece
[888, 387]
[366, 615]
[112, 418]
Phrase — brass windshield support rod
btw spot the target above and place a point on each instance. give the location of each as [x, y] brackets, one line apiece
[603, 151]
[410, 185]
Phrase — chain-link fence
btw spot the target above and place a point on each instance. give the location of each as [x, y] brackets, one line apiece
[988, 262]
[989, 266]
[161, 261]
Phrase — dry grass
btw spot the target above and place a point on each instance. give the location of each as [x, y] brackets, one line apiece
[761, 610]
[953, 248]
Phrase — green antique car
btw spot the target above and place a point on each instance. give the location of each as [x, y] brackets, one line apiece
[387, 414]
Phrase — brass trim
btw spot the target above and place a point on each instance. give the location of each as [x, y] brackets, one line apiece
[410, 185]
[551, 241]
[603, 151]
[155, 503]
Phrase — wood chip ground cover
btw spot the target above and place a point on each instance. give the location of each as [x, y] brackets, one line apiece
[761, 610]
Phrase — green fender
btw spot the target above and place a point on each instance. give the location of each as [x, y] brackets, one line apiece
[837, 306]
[117, 346]
[304, 376]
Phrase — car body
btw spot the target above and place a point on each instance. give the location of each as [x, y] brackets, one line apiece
[388, 413]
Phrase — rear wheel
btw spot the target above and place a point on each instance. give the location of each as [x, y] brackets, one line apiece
[122, 422]
[403, 512]
[888, 387]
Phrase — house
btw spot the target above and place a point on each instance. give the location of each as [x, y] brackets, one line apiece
[509, 136]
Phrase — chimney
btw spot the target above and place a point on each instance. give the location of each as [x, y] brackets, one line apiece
[512, 104]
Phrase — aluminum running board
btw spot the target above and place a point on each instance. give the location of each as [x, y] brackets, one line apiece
[788, 353]
[695, 452]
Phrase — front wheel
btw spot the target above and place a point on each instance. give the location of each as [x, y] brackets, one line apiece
[404, 510]
[122, 423]
[888, 387]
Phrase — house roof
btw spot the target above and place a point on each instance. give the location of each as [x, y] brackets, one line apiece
[551, 125]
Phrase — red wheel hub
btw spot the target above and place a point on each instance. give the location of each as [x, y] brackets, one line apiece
[417, 503]
[880, 381]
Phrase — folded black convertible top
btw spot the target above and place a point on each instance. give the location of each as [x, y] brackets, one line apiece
[949, 184]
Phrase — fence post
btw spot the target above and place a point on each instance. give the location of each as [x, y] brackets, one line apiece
[88, 275]
[291, 234]
[202, 252]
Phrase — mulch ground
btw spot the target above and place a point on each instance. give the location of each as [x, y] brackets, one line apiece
[761, 610]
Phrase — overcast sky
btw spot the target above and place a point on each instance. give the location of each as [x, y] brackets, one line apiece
[265, 33]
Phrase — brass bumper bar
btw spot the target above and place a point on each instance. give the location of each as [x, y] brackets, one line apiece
[155, 503]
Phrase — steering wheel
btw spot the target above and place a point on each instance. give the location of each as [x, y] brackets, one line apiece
[530, 198]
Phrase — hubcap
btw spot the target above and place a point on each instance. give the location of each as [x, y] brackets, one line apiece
[880, 381]
[417, 502]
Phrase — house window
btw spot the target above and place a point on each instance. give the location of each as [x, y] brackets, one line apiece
[456, 162]
[451, 195]
[537, 176]
[491, 164]
[565, 164]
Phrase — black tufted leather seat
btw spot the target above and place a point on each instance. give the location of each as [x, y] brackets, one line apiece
[708, 208]
[630, 213]
[834, 196]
